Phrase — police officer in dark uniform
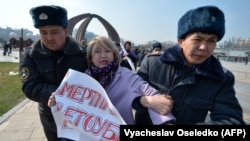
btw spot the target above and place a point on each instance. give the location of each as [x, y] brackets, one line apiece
[188, 72]
[45, 65]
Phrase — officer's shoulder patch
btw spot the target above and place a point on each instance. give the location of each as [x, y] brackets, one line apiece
[24, 73]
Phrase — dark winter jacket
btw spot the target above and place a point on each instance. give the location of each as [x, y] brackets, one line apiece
[197, 91]
[43, 70]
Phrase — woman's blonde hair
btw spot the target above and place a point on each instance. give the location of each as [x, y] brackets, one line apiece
[103, 42]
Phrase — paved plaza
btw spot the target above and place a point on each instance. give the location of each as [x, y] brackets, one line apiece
[22, 123]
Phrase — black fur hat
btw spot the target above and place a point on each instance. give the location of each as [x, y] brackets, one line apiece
[157, 45]
[209, 19]
[49, 15]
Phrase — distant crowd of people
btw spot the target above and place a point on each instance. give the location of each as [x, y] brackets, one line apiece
[241, 59]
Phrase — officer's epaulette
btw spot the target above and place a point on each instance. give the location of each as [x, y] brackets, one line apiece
[152, 54]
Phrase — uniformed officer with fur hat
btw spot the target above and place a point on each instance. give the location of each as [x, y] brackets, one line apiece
[199, 85]
[44, 67]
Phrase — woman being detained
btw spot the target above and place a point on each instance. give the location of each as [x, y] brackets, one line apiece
[122, 85]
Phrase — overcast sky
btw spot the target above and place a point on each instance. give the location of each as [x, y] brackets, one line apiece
[137, 20]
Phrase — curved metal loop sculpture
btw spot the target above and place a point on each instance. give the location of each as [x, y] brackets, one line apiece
[80, 35]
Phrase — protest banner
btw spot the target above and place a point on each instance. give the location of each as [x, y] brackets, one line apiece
[83, 110]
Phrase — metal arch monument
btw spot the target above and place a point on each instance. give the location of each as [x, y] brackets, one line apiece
[87, 17]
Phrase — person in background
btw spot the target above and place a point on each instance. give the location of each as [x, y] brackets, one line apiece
[246, 60]
[9, 48]
[156, 48]
[5, 48]
[130, 53]
[201, 88]
[45, 65]
[122, 85]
